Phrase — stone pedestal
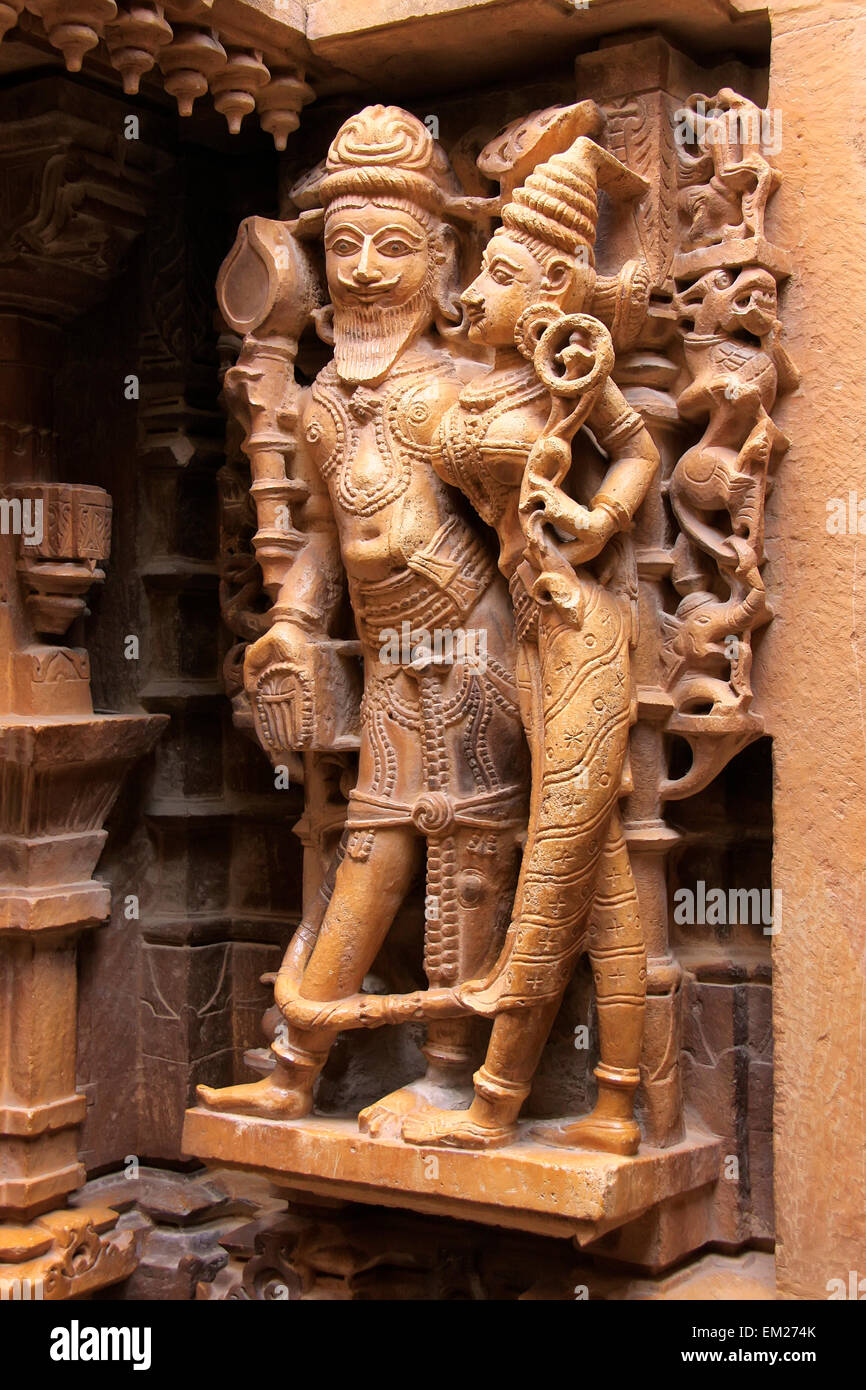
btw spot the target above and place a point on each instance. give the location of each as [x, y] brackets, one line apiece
[58, 780]
[527, 1185]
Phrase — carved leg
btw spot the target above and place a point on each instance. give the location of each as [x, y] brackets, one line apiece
[753, 463]
[501, 1085]
[618, 956]
[446, 1082]
[485, 875]
[581, 690]
[367, 894]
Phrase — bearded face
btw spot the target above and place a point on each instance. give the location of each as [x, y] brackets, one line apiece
[381, 281]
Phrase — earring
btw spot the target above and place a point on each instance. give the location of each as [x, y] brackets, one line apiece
[532, 324]
[449, 315]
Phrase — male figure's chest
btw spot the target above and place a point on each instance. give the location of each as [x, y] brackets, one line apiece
[374, 446]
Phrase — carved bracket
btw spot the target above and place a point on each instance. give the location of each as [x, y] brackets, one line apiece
[727, 276]
[249, 62]
[59, 563]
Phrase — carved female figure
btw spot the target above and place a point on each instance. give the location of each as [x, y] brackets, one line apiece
[510, 450]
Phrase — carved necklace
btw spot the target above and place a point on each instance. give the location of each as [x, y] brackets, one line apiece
[464, 430]
[488, 390]
[392, 417]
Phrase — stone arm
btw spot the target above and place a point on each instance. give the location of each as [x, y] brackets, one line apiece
[633, 460]
[311, 587]
[302, 682]
[633, 457]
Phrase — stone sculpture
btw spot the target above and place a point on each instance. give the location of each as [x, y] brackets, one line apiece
[377, 423]
[441, 749]
[508, 444]
[140, 941]
[727, 314]
[361, 475]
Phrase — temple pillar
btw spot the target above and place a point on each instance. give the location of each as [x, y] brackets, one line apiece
[61, 765]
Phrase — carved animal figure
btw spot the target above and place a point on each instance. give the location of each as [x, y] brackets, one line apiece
[730, 176]
[706, 649]
[736, 362]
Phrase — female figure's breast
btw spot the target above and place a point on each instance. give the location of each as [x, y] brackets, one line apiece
[485, 455]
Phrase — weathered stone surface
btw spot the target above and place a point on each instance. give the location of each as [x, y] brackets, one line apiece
[528, 1185]
[813, 659]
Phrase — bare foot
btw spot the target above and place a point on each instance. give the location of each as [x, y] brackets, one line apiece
[268, 1098]
[599, 1132]
[455, 1129]
[385, 1117]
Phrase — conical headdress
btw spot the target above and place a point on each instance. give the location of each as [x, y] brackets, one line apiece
[558, 202]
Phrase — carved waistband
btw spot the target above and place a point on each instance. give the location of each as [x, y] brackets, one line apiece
[439, 813]
[439, 587]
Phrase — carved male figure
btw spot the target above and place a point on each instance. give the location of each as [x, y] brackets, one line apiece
[442, 760]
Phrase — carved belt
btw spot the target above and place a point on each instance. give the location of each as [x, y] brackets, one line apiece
[438, 813]
[439, 587]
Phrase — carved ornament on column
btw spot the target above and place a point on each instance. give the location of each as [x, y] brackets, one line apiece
[727, 276]
[57, 571]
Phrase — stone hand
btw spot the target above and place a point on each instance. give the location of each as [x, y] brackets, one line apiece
[597, 529]
[279, 679]
[543, 504]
